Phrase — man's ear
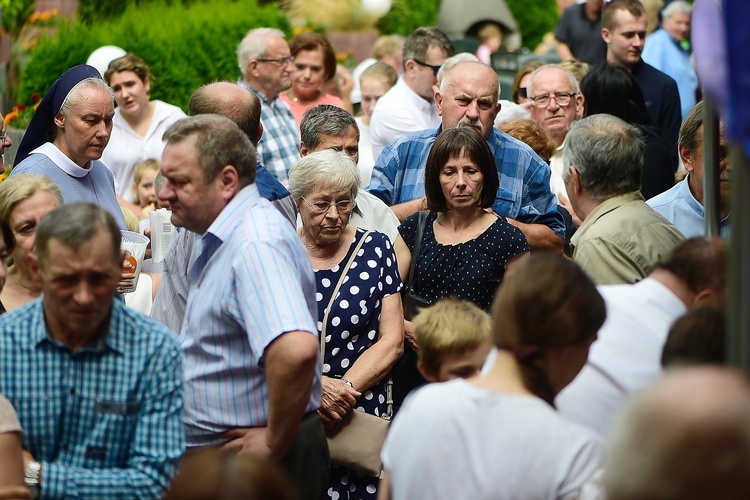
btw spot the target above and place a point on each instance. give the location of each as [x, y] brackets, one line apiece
[304, 150]
[230, 181]
[575, 179]
[606, 35]
[702, 295]
[439, 102]
[580, 102]
[686, 157]
[260, 132]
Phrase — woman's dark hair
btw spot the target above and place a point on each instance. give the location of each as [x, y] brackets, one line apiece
[8, 238]
[547, 302]
[612, 90]
[452, 143]
[315, 41]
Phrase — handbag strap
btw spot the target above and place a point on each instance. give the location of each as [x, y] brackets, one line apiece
[421, 223]
[335, 291]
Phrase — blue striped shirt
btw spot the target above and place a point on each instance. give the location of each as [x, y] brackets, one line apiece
[524, 193]
[104, 421]
[251, 282]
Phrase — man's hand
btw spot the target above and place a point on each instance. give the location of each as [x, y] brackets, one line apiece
[249, 440]
[337, 400]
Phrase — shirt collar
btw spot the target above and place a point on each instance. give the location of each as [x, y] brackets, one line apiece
[39, 333]
[223, 226]
[264, 100]
[62, 161]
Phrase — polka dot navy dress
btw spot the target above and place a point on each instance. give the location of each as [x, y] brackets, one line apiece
[352, 328]
[471, 270]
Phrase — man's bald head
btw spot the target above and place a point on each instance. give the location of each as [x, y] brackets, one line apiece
[687, 437]
[230, 100]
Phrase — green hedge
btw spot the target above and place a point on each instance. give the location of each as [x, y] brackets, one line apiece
[407, 15]
[185, 46]
[534, 17]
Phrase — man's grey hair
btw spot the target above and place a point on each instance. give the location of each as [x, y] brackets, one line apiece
[218, 142]
[75, 93]
[74, 225]
[327, 167]
[608, 154]
[255, 45]
[676, 7]
[571, 78]
[453, 61]
[455, 70]
[421, 39]
[325, 119]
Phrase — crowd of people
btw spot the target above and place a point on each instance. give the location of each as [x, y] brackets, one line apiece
[505, 289]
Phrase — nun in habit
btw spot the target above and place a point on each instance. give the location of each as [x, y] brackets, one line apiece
[67, 136]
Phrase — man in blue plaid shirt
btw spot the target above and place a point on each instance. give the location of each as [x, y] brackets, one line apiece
[265, 61]
[468, 98]
[97, 386]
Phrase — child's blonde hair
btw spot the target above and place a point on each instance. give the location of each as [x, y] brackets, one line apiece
[448, 326]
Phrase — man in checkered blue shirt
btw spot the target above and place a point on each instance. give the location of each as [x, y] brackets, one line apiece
[97, 386]
[265, 61]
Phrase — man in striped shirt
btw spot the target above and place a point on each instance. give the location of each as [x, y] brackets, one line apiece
[252, 371]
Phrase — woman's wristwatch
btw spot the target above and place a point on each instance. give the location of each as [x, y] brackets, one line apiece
[31, 478]
[347, 382]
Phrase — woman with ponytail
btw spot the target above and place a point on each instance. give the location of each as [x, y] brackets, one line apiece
[498, 435]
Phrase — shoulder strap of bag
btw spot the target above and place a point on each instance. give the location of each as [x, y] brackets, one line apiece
[421, 223]
[335, 291]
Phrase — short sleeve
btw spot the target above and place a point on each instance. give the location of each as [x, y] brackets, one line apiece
[390, 279]
[8, 418]
[408, 230]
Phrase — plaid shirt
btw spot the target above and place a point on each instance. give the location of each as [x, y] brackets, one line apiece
[524, 192]
[104, 421]
[278, 148]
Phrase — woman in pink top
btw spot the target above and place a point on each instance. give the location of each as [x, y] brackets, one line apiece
[314, 64]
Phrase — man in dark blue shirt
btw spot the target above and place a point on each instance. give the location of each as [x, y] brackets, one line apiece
[624, 31]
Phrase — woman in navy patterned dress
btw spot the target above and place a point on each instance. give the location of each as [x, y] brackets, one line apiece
[465, 248]
[364, 327]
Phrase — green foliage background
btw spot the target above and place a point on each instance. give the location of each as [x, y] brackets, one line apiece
[534, 17]
[184, 45]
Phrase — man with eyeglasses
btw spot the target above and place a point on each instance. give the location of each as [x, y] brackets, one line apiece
[330, 127]
[468, 97]
[408, 106]
[265, 61]
[250, 344]
[556, 103]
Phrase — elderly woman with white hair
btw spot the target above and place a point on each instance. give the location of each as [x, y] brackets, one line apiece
[67, 136]
[668, 50]
[360, 316]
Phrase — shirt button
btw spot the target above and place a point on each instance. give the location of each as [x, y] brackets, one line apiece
[73, 391]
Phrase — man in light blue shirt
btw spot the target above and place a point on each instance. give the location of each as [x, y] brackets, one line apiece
[252, 370]
[683, 204]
